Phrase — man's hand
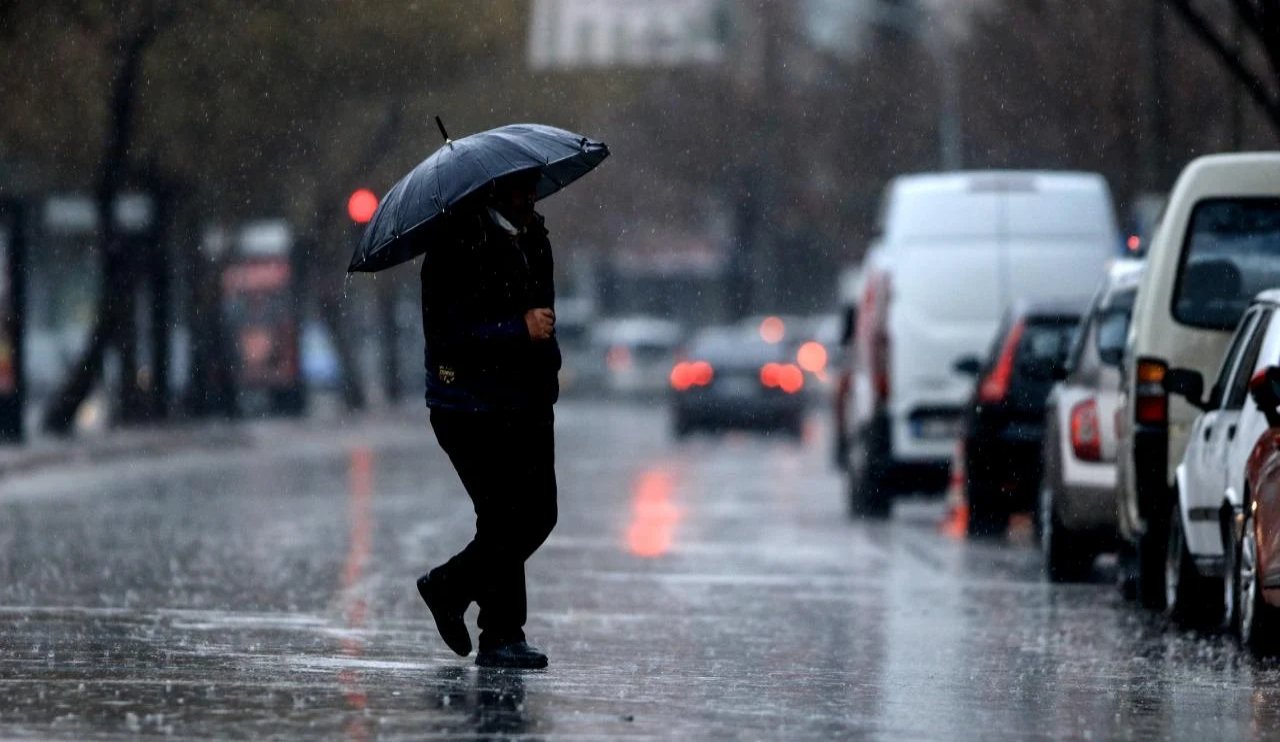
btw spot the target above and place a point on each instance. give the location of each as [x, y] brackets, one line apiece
[541, 323]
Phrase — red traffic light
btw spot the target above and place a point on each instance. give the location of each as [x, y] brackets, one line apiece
[361, 206]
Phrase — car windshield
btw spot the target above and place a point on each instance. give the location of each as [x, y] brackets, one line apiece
[734, 349]
[1230, 255]
[1113, 321]
[1046, 339]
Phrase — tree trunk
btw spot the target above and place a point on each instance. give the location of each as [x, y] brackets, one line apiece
[352, 380]
[117, 278]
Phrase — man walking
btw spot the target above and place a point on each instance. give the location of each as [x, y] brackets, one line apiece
[492, 362]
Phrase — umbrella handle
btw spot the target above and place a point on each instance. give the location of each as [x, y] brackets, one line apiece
[443, 133]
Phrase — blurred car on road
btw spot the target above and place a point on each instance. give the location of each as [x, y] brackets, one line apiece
[631, 356]
[956, 251]
[1077, 510]
[808, 341]
[1004, 423]
[1217, 246]
[729, 377]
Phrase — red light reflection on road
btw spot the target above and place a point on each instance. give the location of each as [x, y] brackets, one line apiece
[360, 492]
[654, 516]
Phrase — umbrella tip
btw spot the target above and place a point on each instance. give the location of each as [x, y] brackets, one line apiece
[443, 133]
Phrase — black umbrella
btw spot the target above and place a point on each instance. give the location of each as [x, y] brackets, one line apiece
[410, 215]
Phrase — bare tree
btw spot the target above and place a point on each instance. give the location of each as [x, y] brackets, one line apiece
[1253, 56]
[130, 41]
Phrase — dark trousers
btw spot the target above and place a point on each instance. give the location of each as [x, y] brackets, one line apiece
[506, 461]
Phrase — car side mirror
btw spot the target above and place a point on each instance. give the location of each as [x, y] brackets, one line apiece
[969, 366]
[1187, 384]
[1264, 388]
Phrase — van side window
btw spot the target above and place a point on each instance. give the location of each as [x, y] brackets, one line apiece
[1229, 255]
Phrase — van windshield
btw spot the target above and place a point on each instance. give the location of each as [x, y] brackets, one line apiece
[1229, 256]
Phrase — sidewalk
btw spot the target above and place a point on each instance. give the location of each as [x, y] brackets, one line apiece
[200, 435]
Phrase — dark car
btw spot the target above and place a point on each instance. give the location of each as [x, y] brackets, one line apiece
[1004, 421]
[731, 378]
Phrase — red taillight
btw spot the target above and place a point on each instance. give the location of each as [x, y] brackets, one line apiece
[785, 376]
[792, 379]
[1086, 436]
[772, 330]
[812, 357]
[996, 385]
[1150, 402]
[702, 373]
[618, 358]
[687, 375]
[770, 373]
[874, 319]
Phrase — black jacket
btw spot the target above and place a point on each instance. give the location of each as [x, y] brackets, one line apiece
[476, 287]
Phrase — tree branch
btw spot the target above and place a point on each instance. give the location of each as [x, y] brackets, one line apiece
[1230, 58]
[1263, 22]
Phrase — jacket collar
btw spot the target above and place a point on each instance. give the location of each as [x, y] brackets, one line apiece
[502, 222]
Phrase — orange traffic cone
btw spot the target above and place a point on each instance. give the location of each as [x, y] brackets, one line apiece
[955, 523]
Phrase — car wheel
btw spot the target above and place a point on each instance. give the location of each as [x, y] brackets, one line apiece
[1256, 624]
[869, 494]
[1153, 547]
[1068, 557]
[988, 511]
[986, 516]
[1191, 599]
[1127, 570]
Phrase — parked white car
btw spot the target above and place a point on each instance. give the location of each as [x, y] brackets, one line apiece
[1211, 254]
[1077, 508]
[956, 250]
[1210, 480]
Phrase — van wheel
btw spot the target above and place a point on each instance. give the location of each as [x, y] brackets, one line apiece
[869, 493]
[1153, 547]
[1127, 570]
[1191, 599]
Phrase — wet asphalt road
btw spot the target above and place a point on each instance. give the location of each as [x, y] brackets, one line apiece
[712, 588]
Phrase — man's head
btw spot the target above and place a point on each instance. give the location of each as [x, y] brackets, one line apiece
[515, 194]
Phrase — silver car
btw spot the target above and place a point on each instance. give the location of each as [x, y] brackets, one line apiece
[1077, 510]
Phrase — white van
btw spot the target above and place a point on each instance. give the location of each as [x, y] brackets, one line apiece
[1213, 251]
[955, 251]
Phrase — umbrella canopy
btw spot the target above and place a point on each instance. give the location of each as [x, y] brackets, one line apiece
[409, 217]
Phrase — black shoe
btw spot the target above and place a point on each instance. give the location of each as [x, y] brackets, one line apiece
[516, 655]
[447, 613]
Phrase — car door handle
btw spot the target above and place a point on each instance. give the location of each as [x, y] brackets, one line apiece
[1231, 432]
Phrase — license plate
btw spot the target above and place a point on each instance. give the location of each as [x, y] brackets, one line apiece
[736, 387]
[938, 427]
